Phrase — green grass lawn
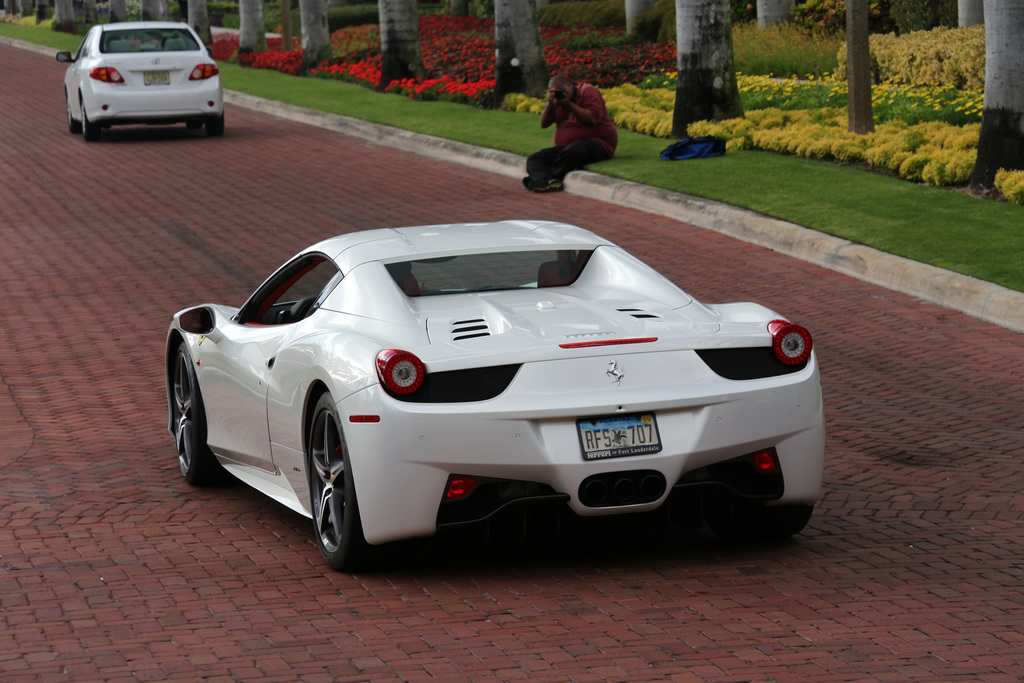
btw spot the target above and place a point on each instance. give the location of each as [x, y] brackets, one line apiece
[952, 230]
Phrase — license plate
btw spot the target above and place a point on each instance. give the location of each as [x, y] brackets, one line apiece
[156, 77]
[618, 436]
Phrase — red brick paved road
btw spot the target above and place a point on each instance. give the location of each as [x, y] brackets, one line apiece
[112, 568]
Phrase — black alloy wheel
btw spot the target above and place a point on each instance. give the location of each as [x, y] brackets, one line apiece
[195, 459]
[336, 521]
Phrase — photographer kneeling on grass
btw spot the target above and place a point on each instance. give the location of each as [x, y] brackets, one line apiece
[584, 134]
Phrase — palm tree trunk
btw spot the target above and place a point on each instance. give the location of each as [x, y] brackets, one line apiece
[970, 12]
[706, 87]
[316, 37]
[64, 12]
[287, 41]
[529, 47]
[399, 41]
[252, 36]
[199, 19]
[771, 12]
[1001, 144]
[508, 78]
[151, 10]
[858, 74]
[520, 65]
[118, 11]
[635, 8]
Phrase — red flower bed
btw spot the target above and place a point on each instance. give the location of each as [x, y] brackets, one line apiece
[458, 56]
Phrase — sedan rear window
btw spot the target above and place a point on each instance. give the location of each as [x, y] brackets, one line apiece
[466, 273]
[148, 40]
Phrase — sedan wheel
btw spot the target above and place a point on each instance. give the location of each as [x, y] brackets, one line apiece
[90, 130]
[74, 126]
[198, 464]
[336, 522]
[215, 127]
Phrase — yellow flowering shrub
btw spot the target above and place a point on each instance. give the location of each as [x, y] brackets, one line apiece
[952, 57]
[1011, 184]
[949, 167]
[30, 21]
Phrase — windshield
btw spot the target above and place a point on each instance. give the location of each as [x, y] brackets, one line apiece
[148, 40]
[488, 272]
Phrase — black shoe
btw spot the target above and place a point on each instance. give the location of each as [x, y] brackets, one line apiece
[526, 183]
[552, 185]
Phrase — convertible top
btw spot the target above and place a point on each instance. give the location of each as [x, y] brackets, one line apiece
[399, 244]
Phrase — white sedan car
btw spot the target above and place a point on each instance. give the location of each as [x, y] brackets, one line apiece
[393, 384]
[145, 72]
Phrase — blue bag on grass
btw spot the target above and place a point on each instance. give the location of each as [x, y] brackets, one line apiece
[694, 148]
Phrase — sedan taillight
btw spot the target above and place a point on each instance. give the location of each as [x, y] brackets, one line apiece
[791, 343]
[400, 372]
[107, 74]
[203, 71]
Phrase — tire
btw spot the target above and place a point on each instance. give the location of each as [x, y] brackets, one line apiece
[337, 526]
[90, 130]
[74, 126]
[215, 127]
[735, 520]
[195, 459]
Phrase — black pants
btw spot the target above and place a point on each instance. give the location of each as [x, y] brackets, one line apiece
[554, 163]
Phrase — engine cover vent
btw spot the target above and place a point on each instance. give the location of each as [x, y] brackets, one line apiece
[639, 313]
[468, 329]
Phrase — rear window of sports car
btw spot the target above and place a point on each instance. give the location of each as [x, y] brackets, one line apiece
[487, 272]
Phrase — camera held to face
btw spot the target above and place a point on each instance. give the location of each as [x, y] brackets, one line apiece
[560, 94]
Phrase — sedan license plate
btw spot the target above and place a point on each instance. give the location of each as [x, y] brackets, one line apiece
[156, 77]
[618, 436]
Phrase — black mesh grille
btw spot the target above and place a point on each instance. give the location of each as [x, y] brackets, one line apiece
[750, 363]
[463, 386]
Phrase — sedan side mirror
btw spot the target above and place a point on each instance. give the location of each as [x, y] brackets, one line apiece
[65, 56]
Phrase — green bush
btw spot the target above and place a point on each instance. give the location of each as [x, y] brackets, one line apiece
[222, 8]
[829, 16]
[592, 12]
[923, 15]
[337, 17]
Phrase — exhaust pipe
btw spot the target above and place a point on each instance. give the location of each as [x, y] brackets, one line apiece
[594, 492]
[612, 489]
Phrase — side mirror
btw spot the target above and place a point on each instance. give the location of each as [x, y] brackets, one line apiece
[65, 56]
[197, 320]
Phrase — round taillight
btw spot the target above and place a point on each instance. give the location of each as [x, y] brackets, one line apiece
[400, 372]
[791, 343]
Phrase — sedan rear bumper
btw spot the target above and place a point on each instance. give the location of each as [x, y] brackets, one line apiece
[111, 104]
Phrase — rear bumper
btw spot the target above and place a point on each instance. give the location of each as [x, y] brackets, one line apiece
[109, 104]
[402, 463]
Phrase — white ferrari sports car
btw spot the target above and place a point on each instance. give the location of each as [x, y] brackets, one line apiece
[151, 72]
[399, 383]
